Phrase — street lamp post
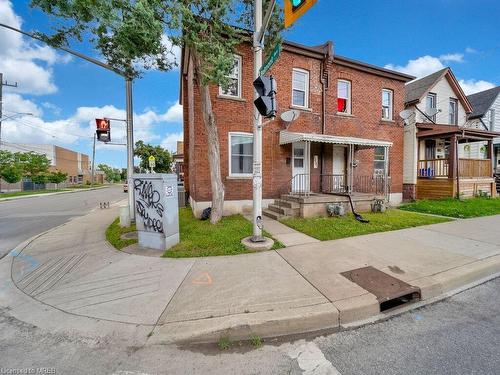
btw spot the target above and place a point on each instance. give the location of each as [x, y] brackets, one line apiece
[129, 110]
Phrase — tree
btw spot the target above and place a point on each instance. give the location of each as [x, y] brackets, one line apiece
[10, 168]
[57, 177]
[35, 166]
[163, 158]
[112, 174]
[130, 34]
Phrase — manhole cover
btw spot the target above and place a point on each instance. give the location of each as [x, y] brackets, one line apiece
[390, 292]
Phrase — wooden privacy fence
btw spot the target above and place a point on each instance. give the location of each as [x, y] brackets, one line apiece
[475, 168]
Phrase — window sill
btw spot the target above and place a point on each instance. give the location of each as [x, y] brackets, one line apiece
[228, 97]
[342, 114]
[299, 108]
[386, 121]
[239, 177]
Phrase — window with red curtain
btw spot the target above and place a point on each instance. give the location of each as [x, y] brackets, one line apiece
[344, 96]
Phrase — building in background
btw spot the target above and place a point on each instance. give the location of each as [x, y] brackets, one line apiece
[78, 166]
[178, 161]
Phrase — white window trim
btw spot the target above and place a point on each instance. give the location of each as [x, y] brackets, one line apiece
[349, 97]
[455, 117]
[306, 96]
[221, 94]
[231, 174]
[391, 104]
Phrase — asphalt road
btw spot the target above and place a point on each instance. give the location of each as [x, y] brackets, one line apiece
[460, 335]
[21, 219]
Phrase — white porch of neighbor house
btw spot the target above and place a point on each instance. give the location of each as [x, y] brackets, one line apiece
[329, 173]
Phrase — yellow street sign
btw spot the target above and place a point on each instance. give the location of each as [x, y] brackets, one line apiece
[295, 9]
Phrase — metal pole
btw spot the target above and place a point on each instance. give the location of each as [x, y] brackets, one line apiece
[257, 130]
[130, 148]
[93, 163]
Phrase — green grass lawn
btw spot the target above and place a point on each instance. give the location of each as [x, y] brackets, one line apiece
[332, 228]
[113, 233]
[29, 192]
[473, 207]
[198, 238]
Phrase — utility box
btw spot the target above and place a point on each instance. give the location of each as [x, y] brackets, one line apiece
[156, 210]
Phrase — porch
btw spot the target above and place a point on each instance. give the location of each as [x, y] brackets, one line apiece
[445, 167]
[326, 168]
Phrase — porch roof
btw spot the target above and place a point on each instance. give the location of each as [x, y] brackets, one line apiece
[426, 130]
[291, 137]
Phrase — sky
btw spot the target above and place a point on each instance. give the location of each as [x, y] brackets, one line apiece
[64, 94]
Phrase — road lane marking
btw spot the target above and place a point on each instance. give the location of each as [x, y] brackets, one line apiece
[310, 358]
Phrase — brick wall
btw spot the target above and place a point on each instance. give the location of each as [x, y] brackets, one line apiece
[235, 115]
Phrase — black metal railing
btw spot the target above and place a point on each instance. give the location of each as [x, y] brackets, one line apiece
[307, 184]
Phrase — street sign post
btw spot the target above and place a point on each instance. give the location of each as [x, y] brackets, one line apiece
[152, 163]
[272, 58]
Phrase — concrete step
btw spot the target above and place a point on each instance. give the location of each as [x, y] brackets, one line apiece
[286, 203]
[272, 214]
[284, 210]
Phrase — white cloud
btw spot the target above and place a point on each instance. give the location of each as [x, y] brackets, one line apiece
[173, 114]
[419, 67]
[15, 103]
[170, 141]
[455, 57]
[24, 61]
[471, 86]
[470, 50]
[56, 110]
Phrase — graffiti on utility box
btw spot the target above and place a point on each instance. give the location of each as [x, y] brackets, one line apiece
[156, 207]
[148, 205]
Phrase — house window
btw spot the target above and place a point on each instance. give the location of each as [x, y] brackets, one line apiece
[386, 104]
[430, 106]
[492, 119]
[300, 88]
[453, 112]
[234, 87]
[379, 161]
[241, 154]
[344, 96]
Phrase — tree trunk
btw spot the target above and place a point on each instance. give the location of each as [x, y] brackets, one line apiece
[213, 147]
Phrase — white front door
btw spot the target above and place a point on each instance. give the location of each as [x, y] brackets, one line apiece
[338, 161]
[300, 182]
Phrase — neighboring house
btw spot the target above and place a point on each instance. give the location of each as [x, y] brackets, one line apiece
[486, 115]
[178, 161]
[347, 139]
[437, 141]
[75, 164]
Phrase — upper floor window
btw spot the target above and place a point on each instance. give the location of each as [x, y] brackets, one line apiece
[241, 154]
[234, 87]
[387, 104]
[453, 112]
[430, 106]
[344, 96]
[492, 119]
[300, 88]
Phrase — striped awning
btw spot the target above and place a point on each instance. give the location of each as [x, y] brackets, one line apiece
[291, 137]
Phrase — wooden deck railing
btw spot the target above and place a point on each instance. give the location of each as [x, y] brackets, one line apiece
[433, 168]
[475, 168]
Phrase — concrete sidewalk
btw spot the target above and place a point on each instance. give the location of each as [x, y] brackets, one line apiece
[72, 273]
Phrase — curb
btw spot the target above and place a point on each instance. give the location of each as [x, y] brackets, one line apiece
[321, 319]
[49, 194]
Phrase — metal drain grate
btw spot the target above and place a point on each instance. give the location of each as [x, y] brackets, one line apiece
[390, 292]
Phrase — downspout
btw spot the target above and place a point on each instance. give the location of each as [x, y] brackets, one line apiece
[323, 111]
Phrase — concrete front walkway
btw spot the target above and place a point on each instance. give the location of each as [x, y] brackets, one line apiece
[70, 279]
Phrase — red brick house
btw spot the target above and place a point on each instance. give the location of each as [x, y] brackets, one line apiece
[347, 139]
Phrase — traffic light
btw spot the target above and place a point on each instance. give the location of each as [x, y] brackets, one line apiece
[266, 102]
[103, 130]
[295, 9]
